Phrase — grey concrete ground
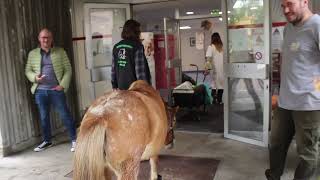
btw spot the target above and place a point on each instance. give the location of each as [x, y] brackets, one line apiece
[239, 161]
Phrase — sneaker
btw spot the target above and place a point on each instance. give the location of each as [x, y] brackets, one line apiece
[269, 176]
[73, 146]
[44, 145]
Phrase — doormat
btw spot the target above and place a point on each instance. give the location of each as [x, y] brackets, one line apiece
[179, 168]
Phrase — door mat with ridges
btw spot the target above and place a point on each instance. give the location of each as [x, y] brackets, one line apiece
[179, 168]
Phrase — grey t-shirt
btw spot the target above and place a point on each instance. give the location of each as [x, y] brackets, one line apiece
[300, 67]
[50, 80]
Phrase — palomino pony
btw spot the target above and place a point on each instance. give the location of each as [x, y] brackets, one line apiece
[120, 129]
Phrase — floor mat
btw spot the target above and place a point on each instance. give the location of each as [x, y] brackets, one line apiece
[179, 168]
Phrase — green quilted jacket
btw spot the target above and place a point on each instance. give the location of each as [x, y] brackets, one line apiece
[61, 67]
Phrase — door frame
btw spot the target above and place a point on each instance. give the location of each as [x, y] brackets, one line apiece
[267, 90]
[97, 73]
[87, 7]
[176, 61]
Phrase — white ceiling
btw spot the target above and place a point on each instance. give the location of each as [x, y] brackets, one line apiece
[151, 12]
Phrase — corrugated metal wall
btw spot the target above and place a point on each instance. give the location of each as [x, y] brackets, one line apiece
[20, 23]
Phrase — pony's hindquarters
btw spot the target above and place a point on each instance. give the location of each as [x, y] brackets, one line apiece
[118, 130]
[89, 157]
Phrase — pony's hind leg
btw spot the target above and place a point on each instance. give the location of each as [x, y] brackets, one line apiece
[153, 168]
[108, 173]
[129, 170]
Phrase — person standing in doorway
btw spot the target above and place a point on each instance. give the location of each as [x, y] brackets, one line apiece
[214, 64]
[49, 69]
[298, 111]
[129, 62]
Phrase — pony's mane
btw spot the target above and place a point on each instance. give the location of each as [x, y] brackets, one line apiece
[142, 87]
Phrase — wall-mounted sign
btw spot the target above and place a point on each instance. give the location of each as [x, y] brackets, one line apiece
[192, 41]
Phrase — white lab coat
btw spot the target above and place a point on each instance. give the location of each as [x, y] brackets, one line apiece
[217, 66]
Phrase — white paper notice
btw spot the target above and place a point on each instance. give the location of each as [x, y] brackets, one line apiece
[199, 40]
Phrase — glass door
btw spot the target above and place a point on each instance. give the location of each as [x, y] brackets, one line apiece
[172, 57]
[247, 57]
[103, 27]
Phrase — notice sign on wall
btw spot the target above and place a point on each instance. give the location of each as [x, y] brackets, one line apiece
[199, 40]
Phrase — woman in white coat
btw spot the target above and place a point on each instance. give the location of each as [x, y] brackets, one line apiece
[214, 58]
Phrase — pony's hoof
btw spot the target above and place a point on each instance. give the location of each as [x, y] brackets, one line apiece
[169, 146]
[159, 177]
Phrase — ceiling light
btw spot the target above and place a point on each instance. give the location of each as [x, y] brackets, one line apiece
[185, 27]
[220, 12]
[229, 12]
[189, 12]
[220, 19]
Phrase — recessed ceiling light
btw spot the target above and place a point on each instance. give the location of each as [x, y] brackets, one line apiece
[185, 27]
[189, 12]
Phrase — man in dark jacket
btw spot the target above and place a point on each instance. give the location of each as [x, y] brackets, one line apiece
[128, 60]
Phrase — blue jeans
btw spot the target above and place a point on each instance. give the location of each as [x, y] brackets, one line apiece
[46, 98]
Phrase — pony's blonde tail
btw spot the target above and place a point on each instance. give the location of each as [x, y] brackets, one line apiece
[89, 157]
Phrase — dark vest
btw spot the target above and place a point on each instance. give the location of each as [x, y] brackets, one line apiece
[124, 64]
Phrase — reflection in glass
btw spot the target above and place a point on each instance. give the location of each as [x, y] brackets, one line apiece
[246, 108]
[244, 12]
[246, 31]
[106, 31]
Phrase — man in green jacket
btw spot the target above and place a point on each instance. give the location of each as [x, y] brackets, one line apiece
[49, 69]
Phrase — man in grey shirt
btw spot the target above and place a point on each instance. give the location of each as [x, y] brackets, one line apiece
[298, 112]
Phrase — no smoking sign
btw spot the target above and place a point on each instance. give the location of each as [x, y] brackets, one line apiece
[258, 56]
